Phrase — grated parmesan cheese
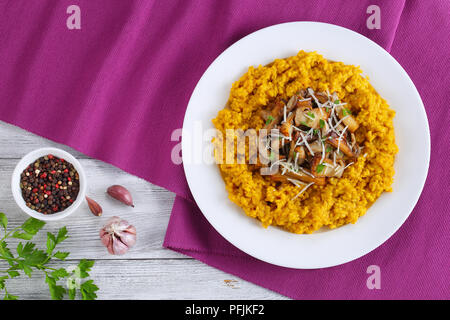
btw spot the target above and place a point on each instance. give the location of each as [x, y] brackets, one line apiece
[303, 190]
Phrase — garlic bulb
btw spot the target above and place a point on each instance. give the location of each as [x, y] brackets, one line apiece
[118, 236]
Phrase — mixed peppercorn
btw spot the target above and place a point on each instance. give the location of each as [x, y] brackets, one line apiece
[49, 184]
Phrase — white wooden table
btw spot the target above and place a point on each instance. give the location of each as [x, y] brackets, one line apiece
[147, 271]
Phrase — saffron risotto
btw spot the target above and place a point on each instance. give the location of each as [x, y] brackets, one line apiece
[342, 200]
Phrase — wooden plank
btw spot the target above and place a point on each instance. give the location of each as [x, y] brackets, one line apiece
[16, 142]
[147, 271]
[150, 279]
[150, 215]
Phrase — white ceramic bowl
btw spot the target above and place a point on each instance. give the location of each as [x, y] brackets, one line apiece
[31, 157]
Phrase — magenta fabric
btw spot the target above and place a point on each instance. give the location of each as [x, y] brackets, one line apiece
[116, 89]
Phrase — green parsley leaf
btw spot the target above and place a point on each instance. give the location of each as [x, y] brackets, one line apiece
[321, 123]
[320, 167]
[56, 292]
[72, 293]
[22, 235]
[3, 220]
[61, 255]
[269, 120]
[312, 115]
[62, 235]
[35, 258]
[59, 273]
[346, 112]
[51, 243]
[88, 290]
[2, 282]
[85, 266]
[26, 250]
[329, 149]
[26, 269]
[315, 131]
[9, 297]
[337, 102]
[19, 248]
[5, 252]
[32, 226]
[304, 123]
[13, 273]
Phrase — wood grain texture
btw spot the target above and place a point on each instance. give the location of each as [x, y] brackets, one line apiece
[15, 143]
[149, 279]
[147, 271]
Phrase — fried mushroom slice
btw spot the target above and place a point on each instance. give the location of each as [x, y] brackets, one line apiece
[297, 154]
[286, 127]
[276, 115]
[342, 145]
[326, 168]
[311, 117]
[348, 120]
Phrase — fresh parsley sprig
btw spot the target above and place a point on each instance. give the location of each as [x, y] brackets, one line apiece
[29, 259]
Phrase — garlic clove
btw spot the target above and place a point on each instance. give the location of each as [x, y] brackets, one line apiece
[123, 225]
[111, 224]
[122, 194]
[128, 239]
[119, 247]
[131, 229]
[110, 248]
[95, 208]
[106, 238]
[113, 220]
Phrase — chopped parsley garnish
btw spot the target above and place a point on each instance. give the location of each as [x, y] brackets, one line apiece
[329, 149]
[269, 119]
[272, 156]
[337, 102]
[312, 115]
[346, 112]
[321, 123]
[320, 167]
[304, 123]
[316, 131]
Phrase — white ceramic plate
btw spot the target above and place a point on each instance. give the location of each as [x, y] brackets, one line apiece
[324, 248]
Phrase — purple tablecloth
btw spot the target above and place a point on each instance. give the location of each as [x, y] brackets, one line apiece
[117, 88]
